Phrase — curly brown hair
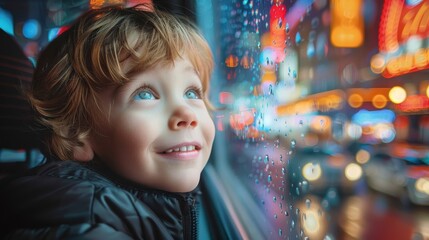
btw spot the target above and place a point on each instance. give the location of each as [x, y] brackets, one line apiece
[74, 68]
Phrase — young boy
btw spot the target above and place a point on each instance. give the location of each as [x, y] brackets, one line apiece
[123, 97]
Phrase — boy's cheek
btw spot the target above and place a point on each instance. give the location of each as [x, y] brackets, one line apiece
[212, 131]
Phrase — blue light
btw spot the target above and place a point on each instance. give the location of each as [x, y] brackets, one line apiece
[310, 50]
[53, 33]
[6, 22]
[298, 38]
[413, 2]
[267, 56]
[31, 29]
[365, 117]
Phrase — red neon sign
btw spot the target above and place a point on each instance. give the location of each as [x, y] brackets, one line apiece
[414, 103]
[399, 23]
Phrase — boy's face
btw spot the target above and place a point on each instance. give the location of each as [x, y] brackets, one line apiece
[159, 131]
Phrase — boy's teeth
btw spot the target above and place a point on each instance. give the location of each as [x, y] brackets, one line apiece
[181, 149]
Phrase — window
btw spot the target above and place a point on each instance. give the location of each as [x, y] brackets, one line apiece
[304, 103]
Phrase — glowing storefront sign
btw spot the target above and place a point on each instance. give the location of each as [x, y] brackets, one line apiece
[404, 29]
[414, 103]
[322, 102]
[365, 117]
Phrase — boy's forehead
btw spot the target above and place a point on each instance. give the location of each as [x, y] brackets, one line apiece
[179, 64]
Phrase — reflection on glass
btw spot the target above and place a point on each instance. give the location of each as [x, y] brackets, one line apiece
[314, 93]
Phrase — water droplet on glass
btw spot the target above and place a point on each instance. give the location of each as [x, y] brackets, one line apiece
[271, 90]
[310, 50]
[328, 237]
[287, 28]
[257, 181]
[301, 123]
[298, 38]
[297, 191]
[280, 23]
[274, 199]
[275, 216]
[297, 211]
[288, 42]
[266, 159]
[308, 203]
[280, 232]
[286, 213]
[292, 143]
[283, 170]
[270, 179]
[305, 186]
[308, 10]
[292, 223]
[315, 23]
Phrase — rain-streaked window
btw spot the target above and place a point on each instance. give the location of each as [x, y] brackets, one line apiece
[322, 128]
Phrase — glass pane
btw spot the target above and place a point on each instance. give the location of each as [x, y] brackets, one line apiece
[322, 131]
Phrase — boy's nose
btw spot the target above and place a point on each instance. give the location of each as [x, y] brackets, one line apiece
[182, 117]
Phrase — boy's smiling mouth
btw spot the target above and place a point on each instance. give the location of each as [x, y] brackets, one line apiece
[183, 147]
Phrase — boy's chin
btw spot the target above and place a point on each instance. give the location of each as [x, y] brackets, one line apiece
[183, 186]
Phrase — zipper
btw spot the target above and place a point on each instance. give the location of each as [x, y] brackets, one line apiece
[191, 229]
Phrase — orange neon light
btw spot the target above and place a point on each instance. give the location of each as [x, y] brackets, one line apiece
[101, 3]
[231, 61]
[239, 120]
[246, 62]
[347, 29]
[322, 102]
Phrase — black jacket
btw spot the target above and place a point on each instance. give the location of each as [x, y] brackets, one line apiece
[70, 200]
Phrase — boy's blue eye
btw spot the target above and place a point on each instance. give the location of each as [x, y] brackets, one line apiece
[192, 94]
[144, 95]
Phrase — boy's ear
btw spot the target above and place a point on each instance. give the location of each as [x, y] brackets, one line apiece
[83, 152]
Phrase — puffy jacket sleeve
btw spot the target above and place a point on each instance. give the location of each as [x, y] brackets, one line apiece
[79, 231]
[37, 207]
